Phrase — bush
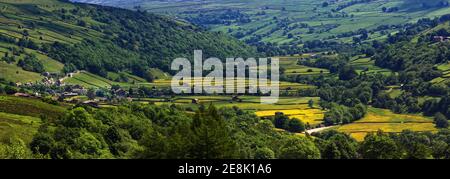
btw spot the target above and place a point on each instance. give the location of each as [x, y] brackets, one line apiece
[296, 125]
[440, 120]
[31, 63]
[10, 90]
[264, 153]
[299, 148]
[281, 121]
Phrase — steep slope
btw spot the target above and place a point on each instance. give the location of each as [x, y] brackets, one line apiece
[52, 35]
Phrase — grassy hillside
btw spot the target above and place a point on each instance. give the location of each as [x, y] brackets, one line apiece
[56, 36]
[21, 117]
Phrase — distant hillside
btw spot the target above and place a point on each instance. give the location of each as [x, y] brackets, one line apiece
[55, 36]
[294, 22]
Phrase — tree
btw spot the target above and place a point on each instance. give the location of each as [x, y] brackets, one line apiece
[78, 118]
[337, 145]
[281, 121]
[297, 147]
[15, 148]
[264, 153]
[440, 120]
[91, 93]
[31, 63]
[296, 125]
[379, 146]
[10, 90]
[413, 145]
[210, 136]
[149, 76]
[311, 103]
[347, 73]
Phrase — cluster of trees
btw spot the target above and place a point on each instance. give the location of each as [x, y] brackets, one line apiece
[31, 63]
[340, 114]
[226, 17]
[390, 9]
[8, 58]
[428, 3]
[147, 131]
[434, 106]
[282, 121]
[351, 3]
[405, 55]
[270, 49]
[380, 145]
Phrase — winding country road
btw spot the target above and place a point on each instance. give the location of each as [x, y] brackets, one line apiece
[318, 129]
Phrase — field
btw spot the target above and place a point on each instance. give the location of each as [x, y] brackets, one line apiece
[309, 116]
[367, 65]
[294, 107]
[14, 73]
[292, 21]
[445, 68]
[90, 80]
[291, 66]
[387, 121]
[29, 107]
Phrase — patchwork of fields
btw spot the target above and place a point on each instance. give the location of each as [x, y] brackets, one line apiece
[292, 21]
[382, 119]
[367, 65]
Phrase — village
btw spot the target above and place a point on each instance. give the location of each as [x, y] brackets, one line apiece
[53, 86]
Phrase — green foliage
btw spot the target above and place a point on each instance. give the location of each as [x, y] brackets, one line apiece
[264, 153]
[342, 114]
[335, 145]
[296, 126]
[440, 120]
[211, 138]
[10, 90]
[281, 121]
[31, 63]
[299, 148]
[379, 146]
[105, 39]
[15, 149]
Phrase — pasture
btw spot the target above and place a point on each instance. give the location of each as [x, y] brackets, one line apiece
[382, 119]
[367, 65]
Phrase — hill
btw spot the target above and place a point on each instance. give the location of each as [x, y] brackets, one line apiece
[293, 22]
[59, 36]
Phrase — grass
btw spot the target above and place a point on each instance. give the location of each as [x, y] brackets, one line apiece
[29, 107]
[291, 66]
[12, 72]
[158, 74]
[20, 126]
[382, 119]
[89, 80]
[445, 68]
[367, 65]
